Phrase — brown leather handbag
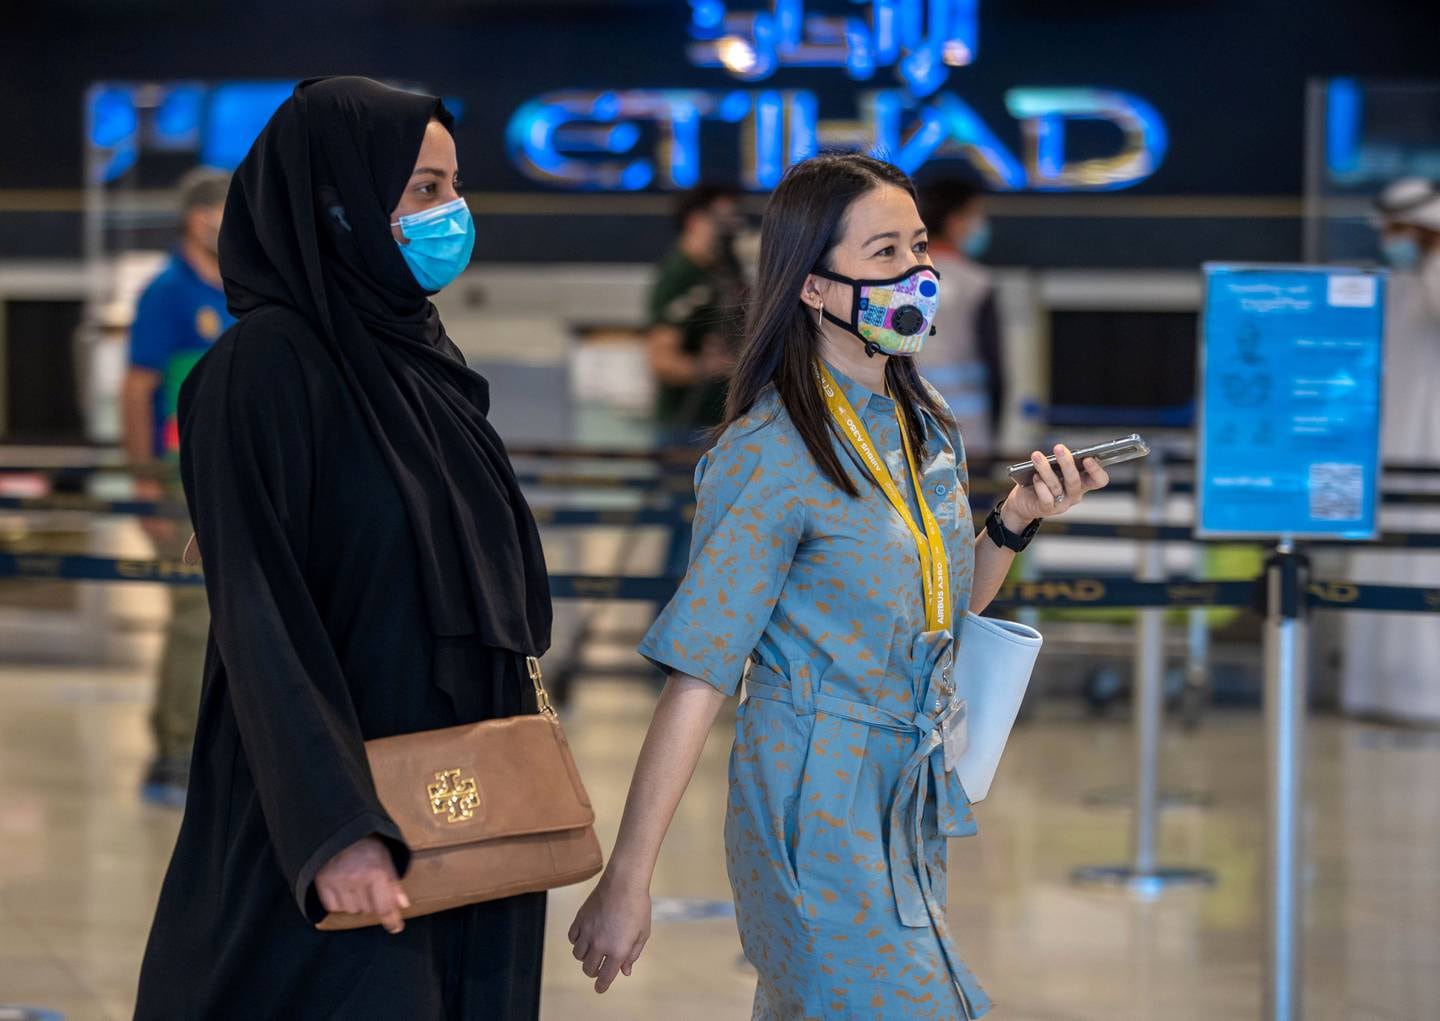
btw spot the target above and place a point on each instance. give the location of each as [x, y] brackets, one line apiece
[489, 810]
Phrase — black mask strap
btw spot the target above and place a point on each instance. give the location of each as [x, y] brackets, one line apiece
[871, 349]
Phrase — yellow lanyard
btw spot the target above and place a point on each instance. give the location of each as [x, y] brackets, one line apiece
[929, 545]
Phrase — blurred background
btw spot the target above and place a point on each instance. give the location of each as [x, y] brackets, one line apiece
[1078, 163]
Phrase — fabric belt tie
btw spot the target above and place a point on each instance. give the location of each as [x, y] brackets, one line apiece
[924, 777]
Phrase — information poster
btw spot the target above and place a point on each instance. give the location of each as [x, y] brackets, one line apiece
[1291, 361]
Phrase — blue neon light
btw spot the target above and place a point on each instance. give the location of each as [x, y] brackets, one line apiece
[237, 113]
[685, 144]
[735, 107]
[964, 34]
[114, 129]
[860, 64]
[561, 138]
[804, 110]
[219, 123]
[950, 120]
[606, 107]
[922, 38]
[923, 71]
[707, 19]
[1343, 113]
[1049, 146]
[637, 176]
[597, 138]
[765, 46]
[769, 118]
[531, 139]
[547, 136]
[177, 121]
[887, 110]
[623, 137]
[913, 125]
[113, 119]
[885, 21]
[789, 24]
[1045, 113]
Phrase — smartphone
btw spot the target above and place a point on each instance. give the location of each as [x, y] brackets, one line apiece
[1128, 448]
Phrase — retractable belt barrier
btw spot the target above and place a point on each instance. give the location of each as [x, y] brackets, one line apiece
[678, 487]
[981, 490]
[678, 458]
[555, 516]
[680, 513]
[1059, 592]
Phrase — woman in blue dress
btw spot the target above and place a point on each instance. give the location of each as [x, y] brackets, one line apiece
[832, 545]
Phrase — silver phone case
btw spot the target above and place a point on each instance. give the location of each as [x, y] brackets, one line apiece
[1128, 448]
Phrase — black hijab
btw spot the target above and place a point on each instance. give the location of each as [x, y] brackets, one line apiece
[307, 226]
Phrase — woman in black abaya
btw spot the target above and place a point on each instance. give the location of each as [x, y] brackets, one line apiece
[372, 570]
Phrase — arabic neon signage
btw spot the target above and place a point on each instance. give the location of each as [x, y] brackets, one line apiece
[594, 140]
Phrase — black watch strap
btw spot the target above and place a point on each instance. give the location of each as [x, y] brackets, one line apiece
[1006, 539]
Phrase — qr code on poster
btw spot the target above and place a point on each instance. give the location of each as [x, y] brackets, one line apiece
[1337, 492]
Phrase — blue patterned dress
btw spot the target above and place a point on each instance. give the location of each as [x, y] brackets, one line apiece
[839, 804]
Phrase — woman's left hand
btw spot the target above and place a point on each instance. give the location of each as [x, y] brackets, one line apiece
[1053, 493]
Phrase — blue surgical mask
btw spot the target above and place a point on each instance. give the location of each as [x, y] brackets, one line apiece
[1401, 251]
[440, 241]
[977, 242]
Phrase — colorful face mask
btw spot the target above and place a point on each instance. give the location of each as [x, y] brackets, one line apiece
[440, 241]
[892, 316]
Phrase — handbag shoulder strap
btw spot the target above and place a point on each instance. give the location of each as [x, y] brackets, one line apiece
[542, 697]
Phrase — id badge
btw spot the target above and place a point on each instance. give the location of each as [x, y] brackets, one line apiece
[955, 734]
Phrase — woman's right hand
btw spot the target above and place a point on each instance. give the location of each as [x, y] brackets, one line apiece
[361, 880]
[613, 924]
[611, 929]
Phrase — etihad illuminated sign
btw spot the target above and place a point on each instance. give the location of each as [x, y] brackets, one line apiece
[633, 139]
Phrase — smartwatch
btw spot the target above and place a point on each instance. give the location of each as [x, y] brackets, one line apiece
[1006, 539]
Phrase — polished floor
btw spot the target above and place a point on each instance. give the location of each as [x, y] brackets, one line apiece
[81, 860]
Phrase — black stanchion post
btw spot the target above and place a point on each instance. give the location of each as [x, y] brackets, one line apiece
[1286, 582]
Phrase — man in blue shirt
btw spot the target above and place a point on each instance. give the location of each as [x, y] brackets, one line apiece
[181, 313]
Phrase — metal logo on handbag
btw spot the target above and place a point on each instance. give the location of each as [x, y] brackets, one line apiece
[459, 800]
[506, 815]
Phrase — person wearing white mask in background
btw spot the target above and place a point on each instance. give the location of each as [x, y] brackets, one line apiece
[1390, 659]
[964, 360]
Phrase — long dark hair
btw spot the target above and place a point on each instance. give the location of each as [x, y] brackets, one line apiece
[803, 223]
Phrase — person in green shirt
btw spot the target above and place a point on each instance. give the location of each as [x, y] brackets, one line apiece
[695, 314]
